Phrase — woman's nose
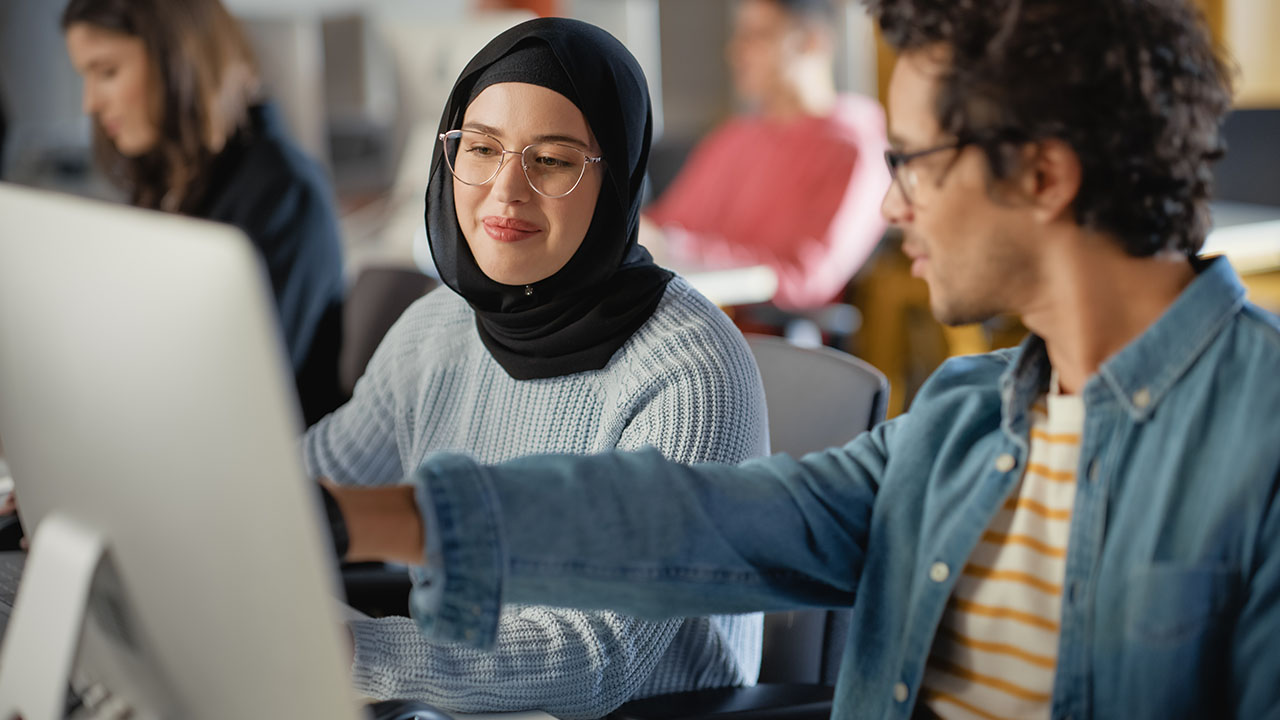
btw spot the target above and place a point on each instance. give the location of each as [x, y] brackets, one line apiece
[511, 185]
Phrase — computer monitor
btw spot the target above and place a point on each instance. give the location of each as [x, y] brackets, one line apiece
[179, 564]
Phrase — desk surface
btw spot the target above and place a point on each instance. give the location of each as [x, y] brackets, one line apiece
[733, 286]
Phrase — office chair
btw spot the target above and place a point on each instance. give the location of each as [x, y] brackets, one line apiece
[817, 398]
[375, 301]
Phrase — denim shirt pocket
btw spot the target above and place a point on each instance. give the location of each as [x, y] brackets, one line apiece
[1177, 632]
[1173, 603]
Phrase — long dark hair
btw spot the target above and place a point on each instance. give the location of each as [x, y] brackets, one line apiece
[203, 78]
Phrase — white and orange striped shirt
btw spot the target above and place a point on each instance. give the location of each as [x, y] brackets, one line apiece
[996, 650]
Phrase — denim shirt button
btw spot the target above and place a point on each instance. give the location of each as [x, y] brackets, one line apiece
[900, 692]
[1142, 399]
[1005, 462]
[939, 572]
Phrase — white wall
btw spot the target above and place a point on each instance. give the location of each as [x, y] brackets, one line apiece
[1253, 37]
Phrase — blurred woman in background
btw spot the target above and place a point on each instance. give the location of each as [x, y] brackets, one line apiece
[179, 122]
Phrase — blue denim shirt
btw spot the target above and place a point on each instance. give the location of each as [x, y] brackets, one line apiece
[1172, 589]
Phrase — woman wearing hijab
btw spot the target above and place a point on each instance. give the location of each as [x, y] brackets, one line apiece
[180, 123]
[555, 332]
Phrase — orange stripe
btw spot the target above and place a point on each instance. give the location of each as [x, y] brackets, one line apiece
[1037, 545]
[1007, 613]
[946, 697]
[1043, 661]
[1064, 438]
[1050, 474]
[1043, 511]
[992, 682]
[1013, 576]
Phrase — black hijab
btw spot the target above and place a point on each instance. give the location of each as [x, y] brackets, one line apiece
[577, 318]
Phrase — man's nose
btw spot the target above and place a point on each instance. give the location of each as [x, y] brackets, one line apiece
[894, 207]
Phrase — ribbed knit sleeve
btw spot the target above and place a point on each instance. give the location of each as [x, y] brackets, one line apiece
[357, 443]
[684, 384]
[570, 663]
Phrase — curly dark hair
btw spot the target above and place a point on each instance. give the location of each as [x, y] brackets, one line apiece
[1135, 87]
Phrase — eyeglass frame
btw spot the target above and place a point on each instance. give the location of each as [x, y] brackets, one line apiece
[897, 160]
[587, 160]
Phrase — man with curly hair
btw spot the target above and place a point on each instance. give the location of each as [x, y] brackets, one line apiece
[1085, 526]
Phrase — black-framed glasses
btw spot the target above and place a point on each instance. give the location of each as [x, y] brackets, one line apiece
[552, 169]
[899, 165]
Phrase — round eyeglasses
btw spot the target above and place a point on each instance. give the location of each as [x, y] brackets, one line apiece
[552, 169]
[904, 175]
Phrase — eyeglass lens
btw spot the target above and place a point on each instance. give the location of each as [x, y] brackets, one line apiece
[551, 168]
[901, 172]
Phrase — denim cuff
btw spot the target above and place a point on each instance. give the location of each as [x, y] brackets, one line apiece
[457, 595]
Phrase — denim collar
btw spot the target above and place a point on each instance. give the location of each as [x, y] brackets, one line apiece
[1142, 372]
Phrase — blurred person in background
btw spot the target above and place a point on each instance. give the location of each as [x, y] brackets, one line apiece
[180, 122]
[796, 182]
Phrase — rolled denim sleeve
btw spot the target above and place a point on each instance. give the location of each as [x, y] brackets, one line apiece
[464, 535]
[639, 534]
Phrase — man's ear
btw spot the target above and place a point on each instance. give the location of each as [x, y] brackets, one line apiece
[1052, 179]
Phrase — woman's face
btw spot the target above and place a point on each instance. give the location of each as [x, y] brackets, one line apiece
[117, 85]
[516, 235]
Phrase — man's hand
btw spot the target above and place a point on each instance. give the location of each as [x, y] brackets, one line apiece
[382, 523]
[337, 523]
[11, 534]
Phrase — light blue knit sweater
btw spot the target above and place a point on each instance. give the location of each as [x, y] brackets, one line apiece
[685, 384]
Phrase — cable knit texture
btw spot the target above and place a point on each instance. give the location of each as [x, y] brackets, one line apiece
[685, 384]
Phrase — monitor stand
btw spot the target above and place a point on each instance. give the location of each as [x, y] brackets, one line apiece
[71, 602]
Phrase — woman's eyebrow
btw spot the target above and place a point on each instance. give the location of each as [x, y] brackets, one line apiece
[551, 137]
[567, 139]
[478, 127]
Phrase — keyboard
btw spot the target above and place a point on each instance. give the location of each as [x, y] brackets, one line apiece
[11, 564]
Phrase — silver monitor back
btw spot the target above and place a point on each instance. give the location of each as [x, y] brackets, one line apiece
[148, 420]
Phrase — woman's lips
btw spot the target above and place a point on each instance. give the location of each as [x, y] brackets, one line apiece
[504, 229]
